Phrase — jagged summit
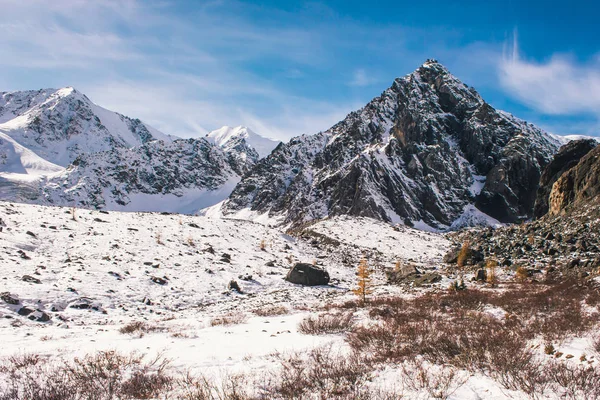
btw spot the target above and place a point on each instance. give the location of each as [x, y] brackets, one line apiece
[429, 152]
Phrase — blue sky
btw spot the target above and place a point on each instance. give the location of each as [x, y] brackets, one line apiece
[285, 68]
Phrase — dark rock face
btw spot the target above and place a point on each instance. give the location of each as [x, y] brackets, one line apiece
[567, 157]
[424, 152]
[578, 186]
[308, 275]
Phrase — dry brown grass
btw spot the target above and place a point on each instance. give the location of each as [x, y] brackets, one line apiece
[106, 375]
[228, 319]
[453, 329]
[271, 311]
[140, 327]
[327, 323]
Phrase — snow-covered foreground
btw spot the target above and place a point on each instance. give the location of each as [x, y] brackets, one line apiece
[100, 271]
[83, 279]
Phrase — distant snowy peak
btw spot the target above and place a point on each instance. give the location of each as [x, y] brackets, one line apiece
[231, 137]
[61, 124]
[564, 139]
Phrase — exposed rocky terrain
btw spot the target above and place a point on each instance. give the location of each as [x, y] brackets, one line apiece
[429, 152]
[568, 235]
[567, 157]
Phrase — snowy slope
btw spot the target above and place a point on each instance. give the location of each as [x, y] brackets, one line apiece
[228, 137]
[16, 160]
[181, 176]
[96, 270]
[59, 125]
[112, 161]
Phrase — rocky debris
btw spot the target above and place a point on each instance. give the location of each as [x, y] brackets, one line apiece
[31, 279]
[34, 315]
[85, 303]
[159, 280]
[233, 285]
[472, 256]
[567, 157]
[427, 150]
[245, 277]
[226, 258]
[564, 241]
[10, 298]
[308, 275]
[415, 278]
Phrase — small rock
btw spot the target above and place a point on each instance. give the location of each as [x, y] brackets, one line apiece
[159, 280]
[233, 285]
[25, 311]
[30, 234]
[23, 255]
[30, 279]
[9, 298]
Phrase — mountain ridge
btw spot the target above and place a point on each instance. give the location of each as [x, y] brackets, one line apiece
[57, 147]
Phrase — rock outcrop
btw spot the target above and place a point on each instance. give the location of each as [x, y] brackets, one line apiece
[578, 186]
[567, 157]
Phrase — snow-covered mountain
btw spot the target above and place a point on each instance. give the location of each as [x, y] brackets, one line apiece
[238, 137]
[429, 152]
[57, 147]
[180, 176]
[564, 139]
[59, 125]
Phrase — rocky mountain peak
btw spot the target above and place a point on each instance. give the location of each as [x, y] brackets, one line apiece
[429, 152]
[239, 137]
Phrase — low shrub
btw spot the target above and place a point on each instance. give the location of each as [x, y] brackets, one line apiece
[324, 324]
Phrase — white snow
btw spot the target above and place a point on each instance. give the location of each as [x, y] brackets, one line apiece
[262, 145]
[18, 162]
[108, 259]
[564, 139]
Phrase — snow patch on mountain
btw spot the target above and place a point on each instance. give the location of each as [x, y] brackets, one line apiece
[227, 137]
[564, 139]
[17, 161]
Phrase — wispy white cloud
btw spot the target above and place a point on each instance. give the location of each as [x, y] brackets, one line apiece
[360, 77]
[172, 109]
[559, 86]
